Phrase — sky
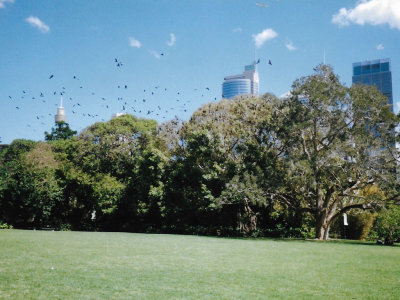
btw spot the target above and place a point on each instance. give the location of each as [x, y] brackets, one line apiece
[164, 58]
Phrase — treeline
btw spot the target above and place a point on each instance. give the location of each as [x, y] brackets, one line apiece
[250, 166]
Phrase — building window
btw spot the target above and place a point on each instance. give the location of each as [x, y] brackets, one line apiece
[357, 70]
[366, 69]
[385, 67]
[375, 68]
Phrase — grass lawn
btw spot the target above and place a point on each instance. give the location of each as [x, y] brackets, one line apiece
[91, 265]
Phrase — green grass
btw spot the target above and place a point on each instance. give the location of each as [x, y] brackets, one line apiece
[83, 265]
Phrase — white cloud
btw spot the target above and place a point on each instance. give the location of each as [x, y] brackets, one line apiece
[341, 18]
[374, 12]
[262, 37]
[3, 3]
[290, 46]
[380, 47]
[134, 43]
[155, 54]
[37, 23]
[238, 29]
[172, 40]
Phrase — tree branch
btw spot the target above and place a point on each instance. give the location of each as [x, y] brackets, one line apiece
[363, 206]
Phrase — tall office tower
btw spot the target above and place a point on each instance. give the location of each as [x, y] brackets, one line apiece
[60, 116]
[246, 83]
[375, 72]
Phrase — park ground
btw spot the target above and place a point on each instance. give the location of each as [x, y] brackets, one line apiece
[93, 265]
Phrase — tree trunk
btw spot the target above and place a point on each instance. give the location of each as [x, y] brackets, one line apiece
[322, 226]
[319, 232]
[326, 233]
[248, 219]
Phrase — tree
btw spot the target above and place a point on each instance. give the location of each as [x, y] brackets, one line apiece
[336, 141]
[61, 131]
[211, 166]
[118, 142]
[128, 149]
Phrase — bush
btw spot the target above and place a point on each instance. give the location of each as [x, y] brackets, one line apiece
[360, 224]
[387, 225]
[5, 226]
[65, 227]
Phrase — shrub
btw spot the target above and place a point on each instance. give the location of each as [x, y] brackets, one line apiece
[65, 227]
[387, 225]
[362, 224]
[5, 226]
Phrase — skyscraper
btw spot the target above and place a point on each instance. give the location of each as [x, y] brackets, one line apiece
[60, 116]
[246, 83]
[375, 72]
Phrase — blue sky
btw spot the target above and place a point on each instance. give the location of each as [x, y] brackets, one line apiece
[174, 53]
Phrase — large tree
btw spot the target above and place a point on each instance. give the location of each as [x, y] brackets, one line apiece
[127, 150]
[213, 179]
[336, 142]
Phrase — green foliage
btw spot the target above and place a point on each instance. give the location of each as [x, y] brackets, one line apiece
[214, 151]
[5, 226]
[387, 225]
[247, 166]
[11, 191]
[360, 225]
[61, 131]
[107, 191]
[35, 186]
[244, 193]
[65, 227]
[196, 177]
[116, 144]
[364, 224]
[336, 142]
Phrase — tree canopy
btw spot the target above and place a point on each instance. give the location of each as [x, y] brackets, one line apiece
[246, 166]
[61, 131]
[339, 141]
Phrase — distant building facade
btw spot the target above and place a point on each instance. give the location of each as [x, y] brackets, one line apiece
[246, 83]
[375, 72]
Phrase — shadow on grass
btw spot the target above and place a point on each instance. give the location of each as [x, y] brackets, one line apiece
[288, 240]
[352, 242]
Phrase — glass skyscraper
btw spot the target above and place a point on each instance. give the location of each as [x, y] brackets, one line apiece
[375, 72]
[242, 84]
